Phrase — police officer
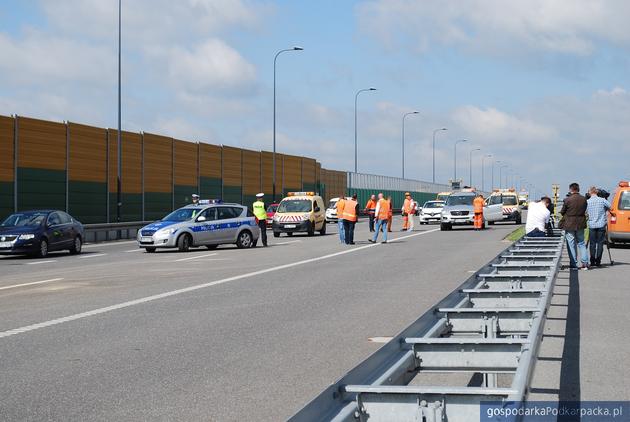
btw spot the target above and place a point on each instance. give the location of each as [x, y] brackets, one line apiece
[195, 199]
[261, 214]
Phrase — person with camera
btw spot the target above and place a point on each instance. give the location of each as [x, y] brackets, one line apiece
[597, 207]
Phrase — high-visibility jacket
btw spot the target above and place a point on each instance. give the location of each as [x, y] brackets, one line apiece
[350, 210]
[340, 205]
[478, 204]
[370, 206]
[406, 206]
[259, 210]
[390, 213]
[383, 209]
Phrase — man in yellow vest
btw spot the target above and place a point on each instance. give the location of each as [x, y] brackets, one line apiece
[261, 215]
[382, 216]
[350, 217]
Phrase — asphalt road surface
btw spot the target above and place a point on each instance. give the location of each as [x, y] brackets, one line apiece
[118, 334]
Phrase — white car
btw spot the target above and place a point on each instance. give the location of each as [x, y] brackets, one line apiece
[331, 211]
[431, 212]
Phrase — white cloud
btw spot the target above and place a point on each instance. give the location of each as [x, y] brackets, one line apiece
[497, 26]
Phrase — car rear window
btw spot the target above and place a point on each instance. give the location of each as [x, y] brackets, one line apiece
[624, 200]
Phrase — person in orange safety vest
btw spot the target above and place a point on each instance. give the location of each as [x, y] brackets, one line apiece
[350, 217]
[408, 210]
[478, 204]
[370, 209]
[382, 216]
[391, 214]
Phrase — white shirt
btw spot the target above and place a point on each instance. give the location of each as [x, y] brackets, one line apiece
[537, 217]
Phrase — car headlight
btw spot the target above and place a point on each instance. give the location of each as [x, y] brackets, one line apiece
[27, 236]
[166, 231]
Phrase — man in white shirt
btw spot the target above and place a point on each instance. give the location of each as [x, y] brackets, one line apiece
[537, 218]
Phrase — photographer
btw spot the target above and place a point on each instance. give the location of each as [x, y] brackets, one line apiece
[597, 207]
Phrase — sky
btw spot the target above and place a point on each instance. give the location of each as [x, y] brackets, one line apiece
[541, 86]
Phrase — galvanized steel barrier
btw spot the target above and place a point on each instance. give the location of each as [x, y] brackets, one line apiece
[112, 231]
[478, 344]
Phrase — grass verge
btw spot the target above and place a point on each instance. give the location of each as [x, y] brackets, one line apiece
[516, 234]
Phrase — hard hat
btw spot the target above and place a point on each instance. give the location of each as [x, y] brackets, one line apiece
[194, 195]
[260, 195]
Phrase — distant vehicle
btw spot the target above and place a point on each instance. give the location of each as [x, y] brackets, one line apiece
[442, 196]
[431, 211]
[210, 225]
[300, 212]
[331, 211]
[458, 210]
[39, 232]
[512, 210]
[523, 199]
[271, 210]
[619, 218]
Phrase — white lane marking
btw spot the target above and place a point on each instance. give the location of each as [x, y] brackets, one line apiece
[380, 339]
[95, 245]
[146, 299]
[41, 262]
[195, 257]
[135, 250]
[30, 284]
[287, 243]
[92, 256]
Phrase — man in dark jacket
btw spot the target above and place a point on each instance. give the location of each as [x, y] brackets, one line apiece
[574, 222]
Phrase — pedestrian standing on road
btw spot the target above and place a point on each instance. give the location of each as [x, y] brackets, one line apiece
[538, 216]
[596, 208]
[340, 205]
[370, 209]
[573, 223]
[350, 217]
[195, 199]
[405, 211]
[261, 215]
[478, 204]
[390, 215]
[413, 208]
[382, 216]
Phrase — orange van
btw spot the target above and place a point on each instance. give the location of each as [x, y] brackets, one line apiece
[619, 218]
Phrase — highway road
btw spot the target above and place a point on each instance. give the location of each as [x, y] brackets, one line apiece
[119, 334]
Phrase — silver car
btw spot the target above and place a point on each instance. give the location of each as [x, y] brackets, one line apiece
[201, 225]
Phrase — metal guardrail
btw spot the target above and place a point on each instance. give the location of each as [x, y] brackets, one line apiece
[478, 344]
[103, 232]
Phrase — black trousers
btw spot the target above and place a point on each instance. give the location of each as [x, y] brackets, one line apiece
[348, 228]
[596, 239]
[371, 221]
[262, 225]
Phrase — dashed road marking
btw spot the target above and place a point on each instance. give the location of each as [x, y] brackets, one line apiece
[135, 250]
[146, 299]
[195, 257]
[41, 262]
[287, 243]
[92, 256]
[30, 284]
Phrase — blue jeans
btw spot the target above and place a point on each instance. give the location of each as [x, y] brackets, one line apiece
[380, 225]
[342, 234]
[573, 237]
[536, 233]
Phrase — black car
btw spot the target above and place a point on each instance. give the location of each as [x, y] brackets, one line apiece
[39, 232]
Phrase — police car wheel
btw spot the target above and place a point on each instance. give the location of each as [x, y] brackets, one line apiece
[244, 240]
[183, 243]
[276, 234]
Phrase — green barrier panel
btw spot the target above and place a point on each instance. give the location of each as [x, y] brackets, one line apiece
[131, 209]
[6, 199]
[41, 189]
[87, 201]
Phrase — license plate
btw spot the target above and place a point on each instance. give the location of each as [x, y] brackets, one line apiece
[146, 239]
[289, 226]
[5, 244]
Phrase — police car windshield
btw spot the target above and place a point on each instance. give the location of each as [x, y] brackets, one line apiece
[509, 200]
[24, 219]
[433, 205]
[460, 200]
[295, 205]
[182, 214]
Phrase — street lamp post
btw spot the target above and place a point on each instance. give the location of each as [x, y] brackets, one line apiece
[403, 139]
[470, 179]
[492, 184]
[356, 98]
[275, 59]
[455, 159]
[434, 132]
[483, 171]
[119, 146]
[501, 175]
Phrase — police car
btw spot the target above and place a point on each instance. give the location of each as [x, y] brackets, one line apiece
[209, 224]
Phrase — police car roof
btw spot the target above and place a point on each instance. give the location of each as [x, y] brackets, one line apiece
[212, 205]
